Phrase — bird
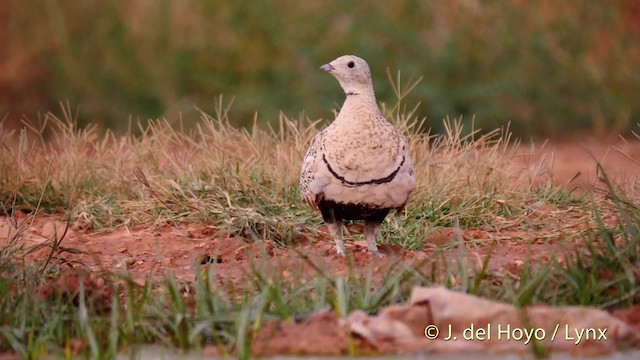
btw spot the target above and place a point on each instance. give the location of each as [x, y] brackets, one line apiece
[359, 167]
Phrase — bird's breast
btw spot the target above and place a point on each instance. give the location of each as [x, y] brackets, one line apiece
[363, 152]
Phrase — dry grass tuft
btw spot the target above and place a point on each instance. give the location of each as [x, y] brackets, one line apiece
[245, 181]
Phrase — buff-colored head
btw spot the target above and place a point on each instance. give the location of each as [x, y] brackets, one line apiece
[352, 73]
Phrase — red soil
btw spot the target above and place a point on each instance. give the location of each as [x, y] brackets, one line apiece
[144, 251]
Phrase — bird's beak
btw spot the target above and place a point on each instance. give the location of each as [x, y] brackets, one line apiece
[327, 67]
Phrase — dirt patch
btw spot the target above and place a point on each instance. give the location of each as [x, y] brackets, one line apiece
[71, 282]
[148, 251]
[630, 316]
[182, 250]
[575, 163]
[441, 320]
[321, 334]
[144, 252]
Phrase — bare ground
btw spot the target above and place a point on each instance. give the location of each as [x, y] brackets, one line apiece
[146, 251]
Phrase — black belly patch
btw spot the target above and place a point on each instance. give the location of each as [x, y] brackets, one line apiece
[333, 211]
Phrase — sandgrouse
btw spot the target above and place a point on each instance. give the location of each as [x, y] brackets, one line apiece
[359, 167]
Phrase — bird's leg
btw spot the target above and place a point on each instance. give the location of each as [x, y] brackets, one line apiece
[335, 230]
[371, 232]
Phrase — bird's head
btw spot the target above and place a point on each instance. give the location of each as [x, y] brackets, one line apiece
[352, 73]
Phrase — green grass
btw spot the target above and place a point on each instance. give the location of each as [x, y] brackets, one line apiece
[245, 183]
[549, 68]
[190, 315]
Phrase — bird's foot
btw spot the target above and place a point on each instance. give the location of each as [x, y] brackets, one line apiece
[377, 253]
[341, 252]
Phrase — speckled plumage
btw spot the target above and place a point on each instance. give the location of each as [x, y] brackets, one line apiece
[360, 164]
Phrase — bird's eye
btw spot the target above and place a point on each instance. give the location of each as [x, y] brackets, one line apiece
[351, 64]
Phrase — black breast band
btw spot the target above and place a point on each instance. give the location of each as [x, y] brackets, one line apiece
[360, 183]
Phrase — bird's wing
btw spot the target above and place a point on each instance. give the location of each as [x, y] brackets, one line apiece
[309, 182]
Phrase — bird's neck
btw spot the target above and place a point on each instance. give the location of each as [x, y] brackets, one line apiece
[360, 100]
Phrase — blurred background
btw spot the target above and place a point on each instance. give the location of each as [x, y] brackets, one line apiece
[550, 68]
